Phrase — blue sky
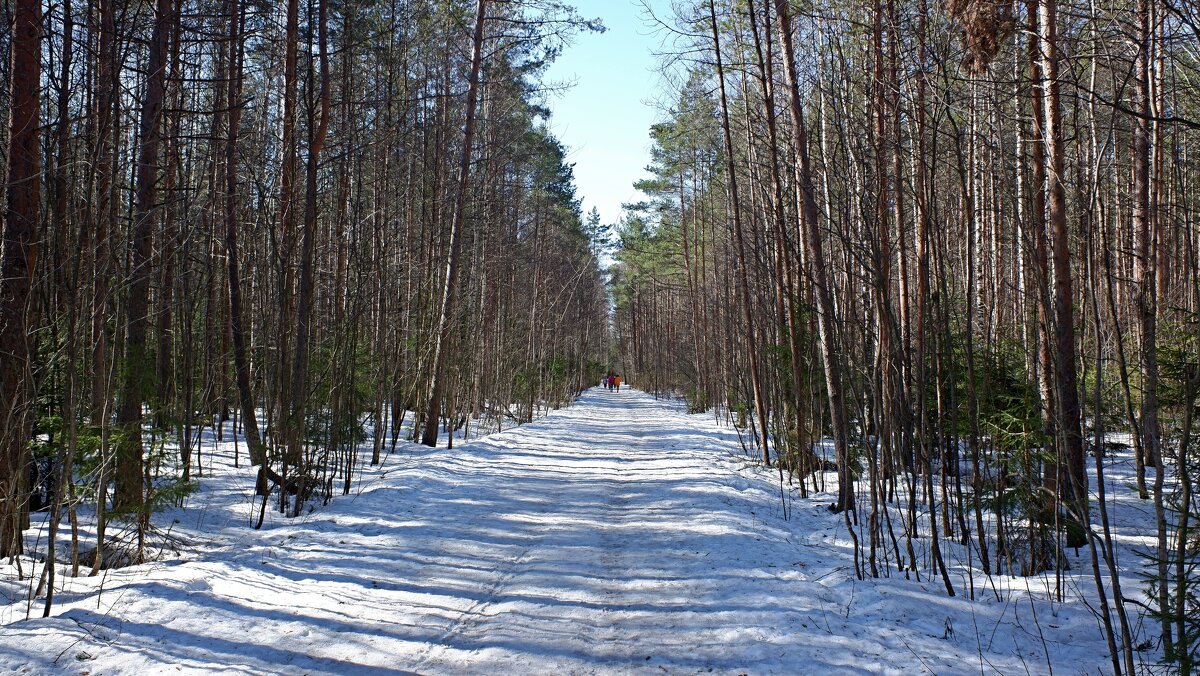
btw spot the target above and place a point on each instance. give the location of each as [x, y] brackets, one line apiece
[604, 119]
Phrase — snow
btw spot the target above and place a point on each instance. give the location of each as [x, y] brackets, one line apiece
[620, 535]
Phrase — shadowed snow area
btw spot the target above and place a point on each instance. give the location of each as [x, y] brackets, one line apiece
[620, 535]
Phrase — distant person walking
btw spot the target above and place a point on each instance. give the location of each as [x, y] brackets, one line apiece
[617, 383]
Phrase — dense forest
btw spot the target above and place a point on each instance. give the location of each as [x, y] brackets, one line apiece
[950, 250]
[317, 218]
[944, 257]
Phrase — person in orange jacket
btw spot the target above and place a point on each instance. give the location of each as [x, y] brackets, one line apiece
[617, 383]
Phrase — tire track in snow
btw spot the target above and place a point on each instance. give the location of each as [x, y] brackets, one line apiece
[612, 559]
[472, 616]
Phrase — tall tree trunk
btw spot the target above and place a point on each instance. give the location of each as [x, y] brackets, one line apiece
[449, 286]
[18, 261]
[881, 280]
[815, 256]
[138, 370]
[1071, 480]
[104, 97]
[66, 283]
[1036, 217]
[920, 313]
[784, 282]
[165, 385]
[241, 359]
[756, 384]
[1145, 266]
[287, 180]
[304, 306]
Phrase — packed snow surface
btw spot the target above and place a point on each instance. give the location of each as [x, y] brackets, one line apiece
[620, 535]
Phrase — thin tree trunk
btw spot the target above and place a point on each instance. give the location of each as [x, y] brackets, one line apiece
[760, 409]
[287, 180]
[138, 373]
[815, 255]
[305, 303]
[449, 284]
[241, 360]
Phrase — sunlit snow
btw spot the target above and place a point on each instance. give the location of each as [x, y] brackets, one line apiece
[619, 535]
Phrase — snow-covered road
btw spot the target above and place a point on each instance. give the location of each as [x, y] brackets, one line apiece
[620, 535]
